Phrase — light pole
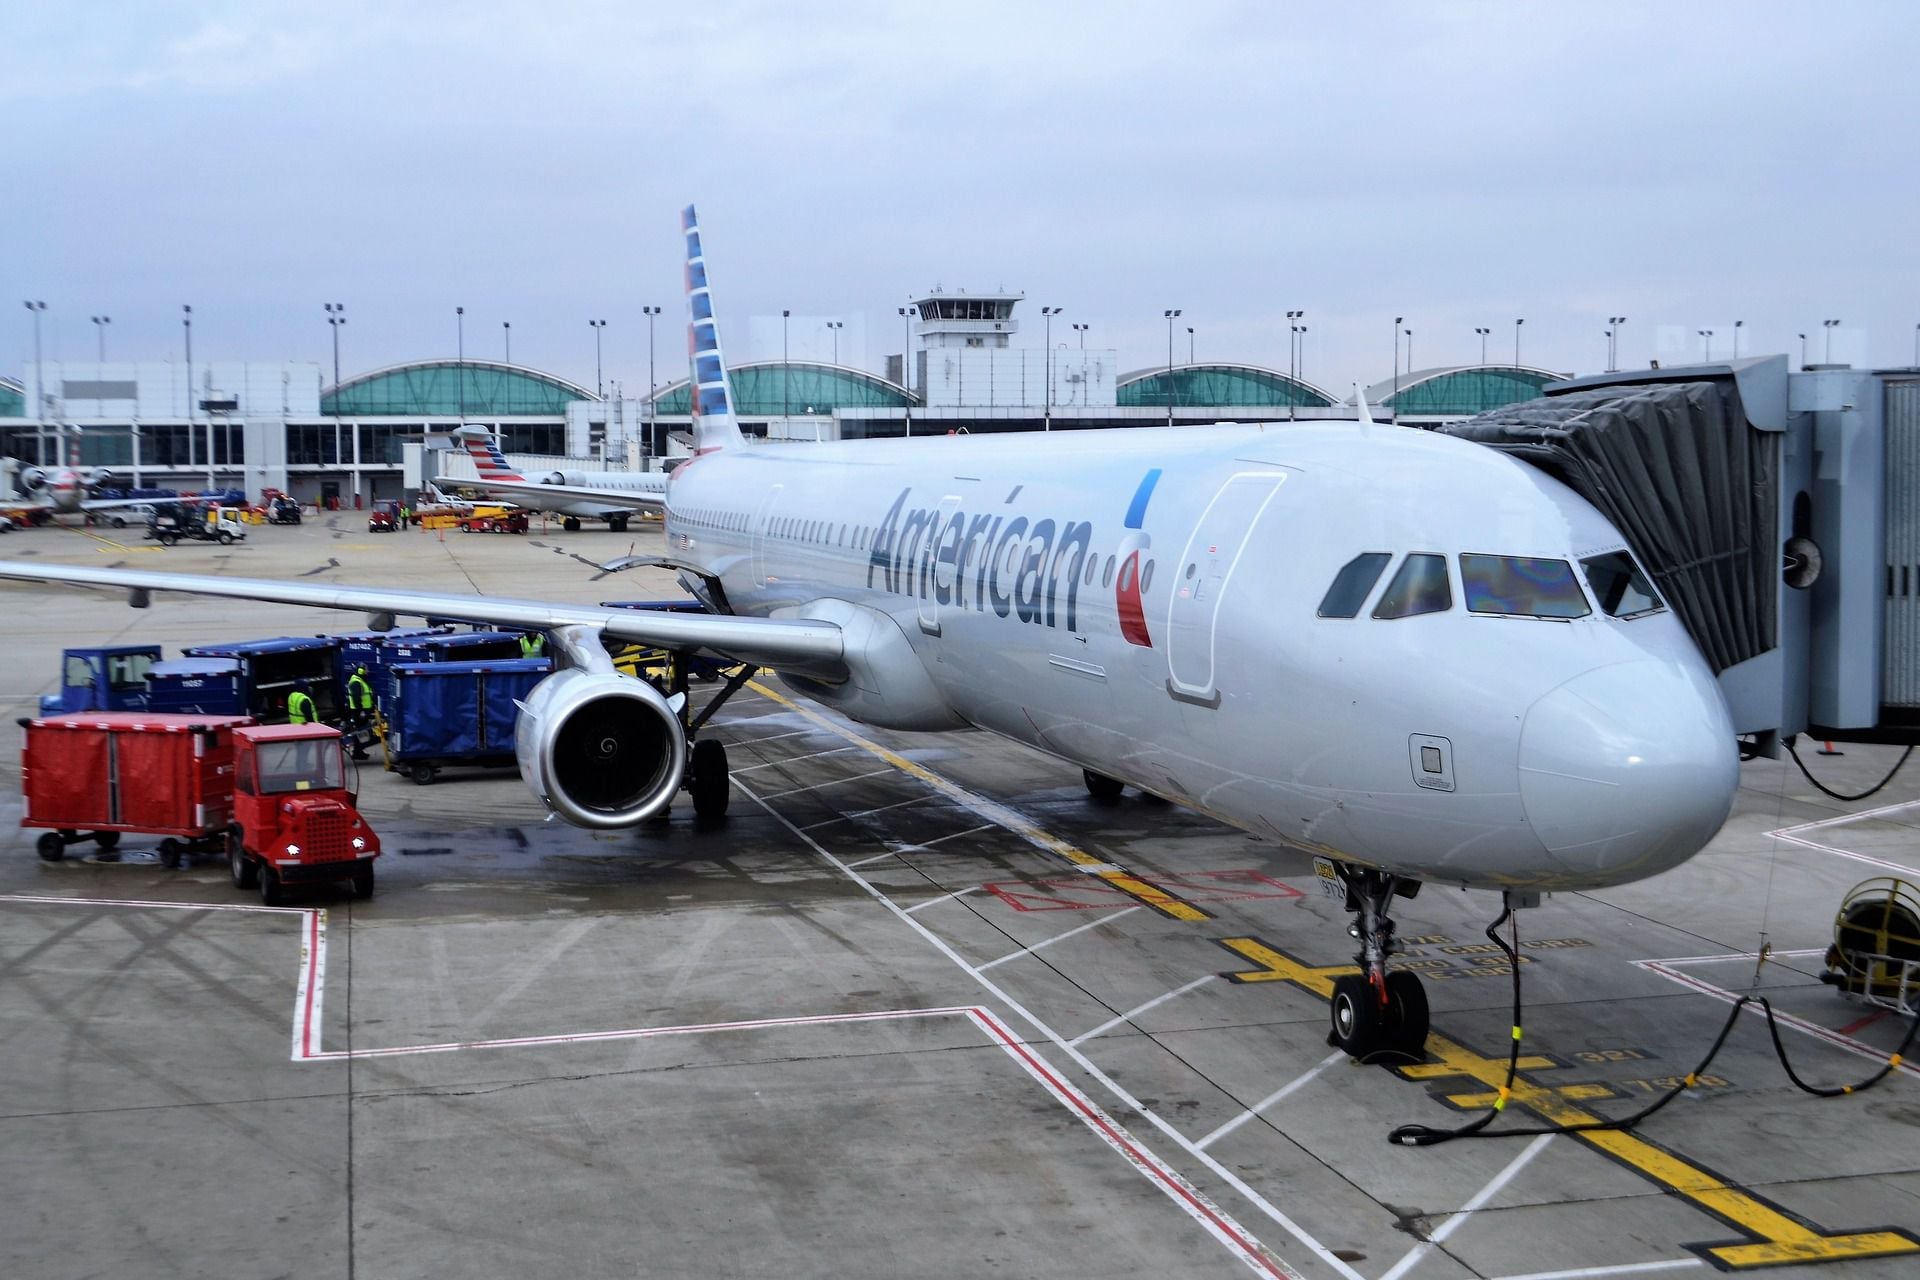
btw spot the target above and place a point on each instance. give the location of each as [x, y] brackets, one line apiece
[1170, 317]
[1613, 342]
[599, 377]
[39, 372]
[906, 354]
[1516, 342]
[1293, 320]
[1916, 346]
[506, 336]
[1736, 338]
[1081, 329]
[786, 370]
[835, 326]
[1409, 353]
[1483, 342]
[1803, 351]
[337, 316]
[1706, 345]
[460, 325]
[100, 330]
[186, 324]
[1046, 396]
[1396, 367]
[652, 383]
[1829, 326]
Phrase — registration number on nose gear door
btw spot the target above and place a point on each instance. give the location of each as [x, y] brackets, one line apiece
[1331, 885]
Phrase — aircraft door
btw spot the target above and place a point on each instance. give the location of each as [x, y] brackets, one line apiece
[936, 567]
[760, 522]
[1202, 576]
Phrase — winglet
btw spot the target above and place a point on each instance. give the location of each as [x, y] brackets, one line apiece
[1360, 399]
[710, 396]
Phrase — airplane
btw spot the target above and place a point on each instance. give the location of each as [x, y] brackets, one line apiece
[64, 490]
[612, 496]
[1412, 656]
[433, 499]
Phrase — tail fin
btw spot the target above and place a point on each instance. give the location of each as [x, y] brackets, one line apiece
[712, 400]
[484, 448]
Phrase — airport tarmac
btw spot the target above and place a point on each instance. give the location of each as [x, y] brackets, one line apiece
[918, 1007]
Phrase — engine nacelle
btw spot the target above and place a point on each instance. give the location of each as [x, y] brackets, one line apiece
[554, 477]
[33, 479]
[99, 477]
[601, 750]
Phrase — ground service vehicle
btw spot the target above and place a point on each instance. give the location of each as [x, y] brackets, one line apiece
[385, 516]
[294, 820]
[282, 510]
[197, 686]
[139, 513]
[99, 774]
[457, 713]
[270, 670]
[172, 521]
[439, 645]
[110, 678]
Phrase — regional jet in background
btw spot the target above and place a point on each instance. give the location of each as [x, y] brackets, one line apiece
[66, 490]
[612, 496]
[1410, 655]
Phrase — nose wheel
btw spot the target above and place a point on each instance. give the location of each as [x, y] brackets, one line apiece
[1376, 1013]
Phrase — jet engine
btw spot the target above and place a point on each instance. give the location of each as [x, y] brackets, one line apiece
[33, 479]
[602, 750]
[577, 479]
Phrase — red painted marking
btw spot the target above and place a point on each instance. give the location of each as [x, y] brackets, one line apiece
[1090, 893]
[311, 962]
[1867, 1021]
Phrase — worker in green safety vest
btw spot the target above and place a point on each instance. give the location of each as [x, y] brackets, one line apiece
[532, 644]
[359, 711]
[300, 706]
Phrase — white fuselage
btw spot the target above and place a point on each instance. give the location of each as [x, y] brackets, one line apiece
[1167, 634]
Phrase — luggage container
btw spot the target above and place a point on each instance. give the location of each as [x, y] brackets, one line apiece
[271, 669]
[197, 686]
[444, 645]
[457, 713]
[97, 775]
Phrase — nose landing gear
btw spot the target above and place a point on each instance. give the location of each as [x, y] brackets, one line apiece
[1375, 1012]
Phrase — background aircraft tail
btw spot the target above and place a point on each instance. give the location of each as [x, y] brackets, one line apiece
[484, 448]
[714, 426]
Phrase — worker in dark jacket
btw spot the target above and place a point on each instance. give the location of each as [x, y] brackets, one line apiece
[359, 712]
[300, 706]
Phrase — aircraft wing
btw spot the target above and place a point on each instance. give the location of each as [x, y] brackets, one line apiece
[522, 490]
[107, 504]
[814, 648]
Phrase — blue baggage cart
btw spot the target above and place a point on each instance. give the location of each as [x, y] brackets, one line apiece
[197, 686]
[457, 713]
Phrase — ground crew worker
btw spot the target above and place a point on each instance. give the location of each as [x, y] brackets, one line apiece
[359, 710]
[533, 644]
[300, 706]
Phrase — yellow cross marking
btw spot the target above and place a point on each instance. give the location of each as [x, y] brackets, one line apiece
[1160, 900]
[1777, 1238]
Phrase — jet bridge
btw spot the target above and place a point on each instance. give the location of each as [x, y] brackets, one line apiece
[1779, 512]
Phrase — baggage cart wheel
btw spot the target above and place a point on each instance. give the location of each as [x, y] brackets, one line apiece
[709, 782]
[363, 882]
[245, 872]
[107, 839]
[422, 774]
[168, 539]
[170, 851]
[51, 847]
[270, 892]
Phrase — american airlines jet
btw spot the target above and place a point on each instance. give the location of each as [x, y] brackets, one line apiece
[1412, 656]
[65, 490]
[612, 496]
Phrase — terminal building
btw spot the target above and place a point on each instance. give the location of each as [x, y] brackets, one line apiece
[264, 425]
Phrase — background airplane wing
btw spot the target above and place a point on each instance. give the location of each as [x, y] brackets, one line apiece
[631, 499]
[813, 648]
[106, 504]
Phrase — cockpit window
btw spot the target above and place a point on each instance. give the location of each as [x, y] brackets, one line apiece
[1419, 587]
[1623, 591]
[1521, 586]
[1352, 584]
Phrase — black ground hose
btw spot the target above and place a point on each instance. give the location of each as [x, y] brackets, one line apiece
[1829, 791]
[1421, 1135]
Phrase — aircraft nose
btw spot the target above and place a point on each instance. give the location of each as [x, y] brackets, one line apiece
[1628, 769]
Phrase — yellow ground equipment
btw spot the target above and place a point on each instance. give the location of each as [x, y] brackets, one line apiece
[1876, 944]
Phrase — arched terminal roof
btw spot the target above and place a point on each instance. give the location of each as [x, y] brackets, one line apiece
[13, 399]
[1460, 390]
[440, 388]
[1196, 385]
[772, 388]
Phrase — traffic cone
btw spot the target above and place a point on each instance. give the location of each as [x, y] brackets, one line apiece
[1827, 749]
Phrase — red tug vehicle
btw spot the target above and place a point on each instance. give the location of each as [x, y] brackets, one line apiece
[278, 800]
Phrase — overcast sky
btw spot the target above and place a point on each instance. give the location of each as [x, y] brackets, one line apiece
[1686, 165]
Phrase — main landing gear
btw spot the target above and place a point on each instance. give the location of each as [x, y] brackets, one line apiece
[707, 776]
[1377, 1013]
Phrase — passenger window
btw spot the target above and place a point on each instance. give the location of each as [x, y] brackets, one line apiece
[1106, 575]
[1521, 586]
[1419, 587]
[1093, 567]
[1146, 578]
[1623, 591]
[1353, 584]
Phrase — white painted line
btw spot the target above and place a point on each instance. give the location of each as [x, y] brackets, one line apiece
[1240, 1185]
[1624, 1269]
[945, 897]
[1667, 970]
[904, 849]
[878, 857]
[1485, 1194]
[866, 813]
[1278, 1095]
[1062, 937]
[970, 831]
[821, 786]
[772, 737]
[1791, 835]
[811, 755]
[162, 906]
[1137, 1010]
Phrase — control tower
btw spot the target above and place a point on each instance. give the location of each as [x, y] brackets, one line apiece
[965, 319]
[967, 359]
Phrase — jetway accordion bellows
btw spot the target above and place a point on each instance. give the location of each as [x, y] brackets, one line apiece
[1677, 470]
[1900, 656]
